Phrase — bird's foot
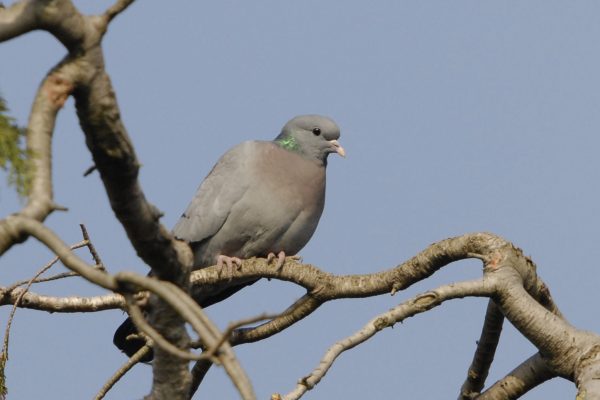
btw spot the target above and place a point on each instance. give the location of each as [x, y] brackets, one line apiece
[229, 261]
[281, 259]
[142, 299]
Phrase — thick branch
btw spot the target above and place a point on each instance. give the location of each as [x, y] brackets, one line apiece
[17, 19]
[325, 286]
[114, 158]
[529, 374]
[118, 166]
[59, 17]
[559, 342]
[587, 374]
[117, 163]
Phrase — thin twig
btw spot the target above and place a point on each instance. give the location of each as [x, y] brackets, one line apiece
[86, 242]
[92, 249]
[29, 282]
[122, 371]
[116, 9]
[89, 170]
[16, 305]
[62, 275]
[53, 242]
[34, 279]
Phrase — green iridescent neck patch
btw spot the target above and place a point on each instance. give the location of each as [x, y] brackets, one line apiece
[288, 143]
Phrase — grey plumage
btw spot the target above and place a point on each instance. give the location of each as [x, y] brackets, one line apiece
[261, 197]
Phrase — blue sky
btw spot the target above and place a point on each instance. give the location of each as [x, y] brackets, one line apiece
[456, 116]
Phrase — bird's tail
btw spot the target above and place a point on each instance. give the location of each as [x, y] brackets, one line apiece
[131, 345]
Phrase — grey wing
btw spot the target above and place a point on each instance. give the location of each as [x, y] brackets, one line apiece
[224, 186]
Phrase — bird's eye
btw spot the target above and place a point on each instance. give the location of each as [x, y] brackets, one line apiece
[316, 131]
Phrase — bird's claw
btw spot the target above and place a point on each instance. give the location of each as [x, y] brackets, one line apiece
[281, 259]
[229, 261]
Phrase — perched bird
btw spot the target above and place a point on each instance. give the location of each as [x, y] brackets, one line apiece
[261, 199]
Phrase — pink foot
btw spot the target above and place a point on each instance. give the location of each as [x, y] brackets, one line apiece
[281, 259]
[229, 261]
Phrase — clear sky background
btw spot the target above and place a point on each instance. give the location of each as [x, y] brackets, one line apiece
[457, 117]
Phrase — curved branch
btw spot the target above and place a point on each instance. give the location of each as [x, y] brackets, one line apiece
[59, 17]
[414, 306]
[191, 312]
[554, 337]
[297, 311]
[53, 242]
[325, 286]
[50, 97]
[17, 19]
[529, 374]
[113, 155]
[138, 318]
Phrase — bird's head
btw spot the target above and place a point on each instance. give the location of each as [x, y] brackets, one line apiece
[312, 136]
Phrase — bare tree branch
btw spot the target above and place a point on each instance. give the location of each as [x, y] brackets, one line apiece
[297, 311]
[110, 146]
[416, 305]
[91, 247]
[529, 374]
[11, 296]
[49, 99]
[122, 371]
[86, 242]
[199, 371]
[36, 278]
[325, 286]
[53, 242]
[484, 355]
[116, 9]
[56, 277]
[210, 352]
[138, 318]
[17, 19]
[4, 355]
[73, 304]
[191, 312]
[202, 366]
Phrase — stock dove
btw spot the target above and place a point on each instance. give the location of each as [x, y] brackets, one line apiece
[261, 199]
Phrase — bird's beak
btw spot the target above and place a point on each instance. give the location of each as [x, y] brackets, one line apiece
[338, 148]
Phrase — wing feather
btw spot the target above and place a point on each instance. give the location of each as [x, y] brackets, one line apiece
[224, 186]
